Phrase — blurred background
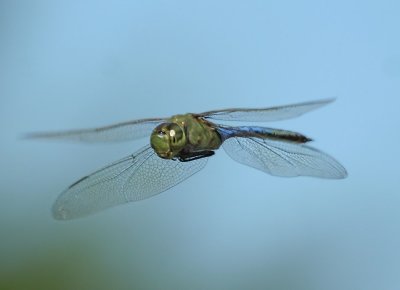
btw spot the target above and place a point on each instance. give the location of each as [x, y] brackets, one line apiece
[77, 64]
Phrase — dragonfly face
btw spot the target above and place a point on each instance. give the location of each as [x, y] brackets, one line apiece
[167, 140]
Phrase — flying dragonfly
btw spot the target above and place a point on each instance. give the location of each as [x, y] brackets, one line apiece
[181, 145]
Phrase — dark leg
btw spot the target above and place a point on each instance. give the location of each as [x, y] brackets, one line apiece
[195, 155]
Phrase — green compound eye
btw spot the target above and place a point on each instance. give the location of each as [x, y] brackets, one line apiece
[176, 136]
[167, 140]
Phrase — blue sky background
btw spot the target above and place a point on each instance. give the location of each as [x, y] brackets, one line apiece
[76, 64]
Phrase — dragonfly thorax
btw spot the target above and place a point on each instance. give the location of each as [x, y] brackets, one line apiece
[167, 140]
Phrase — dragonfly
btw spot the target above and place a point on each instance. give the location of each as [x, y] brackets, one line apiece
[181, 145]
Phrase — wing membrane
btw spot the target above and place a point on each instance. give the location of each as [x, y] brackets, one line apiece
[133, 178]
[265, 114]
[118, 132]
[283, 158]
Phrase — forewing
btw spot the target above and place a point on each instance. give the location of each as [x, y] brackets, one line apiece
[126, 131]
[133, 178]
[265, 114]
[283, 158]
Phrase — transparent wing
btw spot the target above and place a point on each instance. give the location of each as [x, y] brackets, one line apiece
[133, 178]
[283, 158]
[118, 132]
[265, 114]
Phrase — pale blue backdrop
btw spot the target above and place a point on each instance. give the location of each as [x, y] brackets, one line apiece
[73, 64]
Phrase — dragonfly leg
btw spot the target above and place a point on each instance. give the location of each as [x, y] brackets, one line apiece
[195, 155]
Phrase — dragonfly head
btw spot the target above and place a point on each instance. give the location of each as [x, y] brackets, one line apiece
[167, 140]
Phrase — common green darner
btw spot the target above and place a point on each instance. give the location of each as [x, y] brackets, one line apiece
[181, 145]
